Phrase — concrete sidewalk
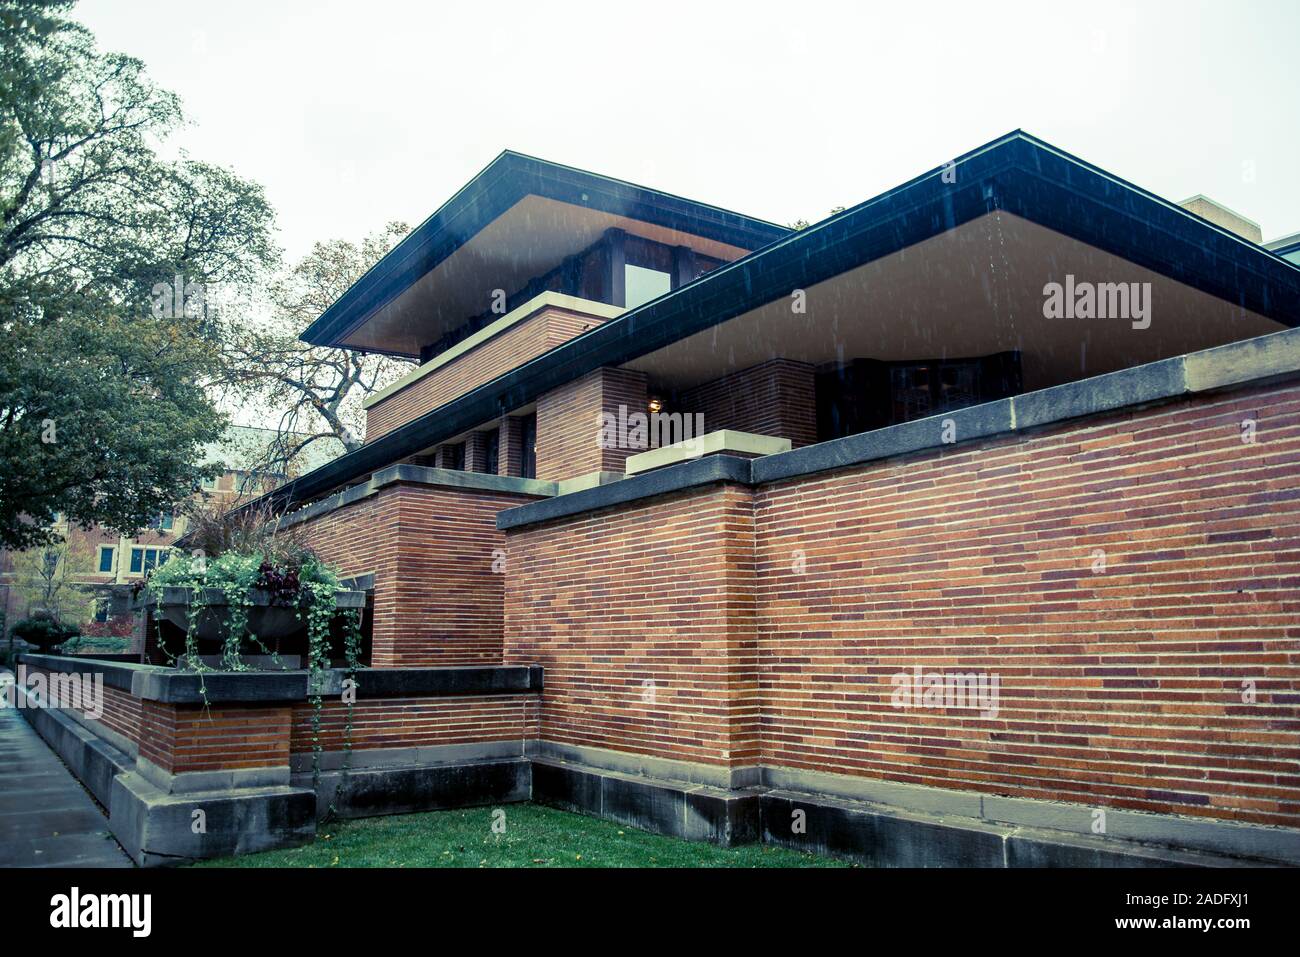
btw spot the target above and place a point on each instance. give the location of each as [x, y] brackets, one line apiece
[46, 818]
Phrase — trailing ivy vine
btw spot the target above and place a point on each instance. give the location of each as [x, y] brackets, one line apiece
[300, 581]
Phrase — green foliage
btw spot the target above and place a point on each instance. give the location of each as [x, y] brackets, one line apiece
[42, 632]
[534, 837]
[103, 416]
[104, 644]
[102, 404]
[293, 576]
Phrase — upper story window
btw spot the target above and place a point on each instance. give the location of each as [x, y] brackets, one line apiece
[208, 484]
[106, 555]
[145, 560]
[163, 522]
[642, 284]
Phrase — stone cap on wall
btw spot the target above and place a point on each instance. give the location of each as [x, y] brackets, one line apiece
[170, 686]
[421, 475]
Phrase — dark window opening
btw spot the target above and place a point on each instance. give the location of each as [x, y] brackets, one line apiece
[867, 394]
[528, 439]
[492, 452]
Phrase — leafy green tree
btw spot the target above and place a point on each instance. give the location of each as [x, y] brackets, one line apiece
[106, 253]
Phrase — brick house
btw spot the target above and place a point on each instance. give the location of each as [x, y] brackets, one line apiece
[989, 530]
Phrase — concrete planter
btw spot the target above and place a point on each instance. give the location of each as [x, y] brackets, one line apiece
[277, 625]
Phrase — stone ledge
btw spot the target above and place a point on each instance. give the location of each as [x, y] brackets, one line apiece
[724, 442]
[367, 792]
[701, 472]
[166, 685]
[694, 812]
[156, 828]
[419, 475]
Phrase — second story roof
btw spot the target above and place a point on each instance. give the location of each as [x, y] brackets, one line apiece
[516, 220]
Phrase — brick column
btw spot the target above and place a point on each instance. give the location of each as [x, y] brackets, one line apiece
[510, 455]
[568, 423]
[476, 452]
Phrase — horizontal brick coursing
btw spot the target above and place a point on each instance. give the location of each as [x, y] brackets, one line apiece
[418, 722]
[1121, 688]
[569, 423]
[642, 622]
[121, 710]
[525, 340]
[778, 397]
[180, 738]
[432, 550]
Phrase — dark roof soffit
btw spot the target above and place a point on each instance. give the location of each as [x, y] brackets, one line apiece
[502, 183]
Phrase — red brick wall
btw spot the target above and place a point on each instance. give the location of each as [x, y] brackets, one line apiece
[568, 423]
[121, 713]
[778, 397]
[418, 722]
[431, 549]
[121, 710]
[525, 340]
[659, 593]
[1121, 688]
[225, 737]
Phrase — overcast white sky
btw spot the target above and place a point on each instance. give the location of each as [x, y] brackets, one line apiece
[355, 113]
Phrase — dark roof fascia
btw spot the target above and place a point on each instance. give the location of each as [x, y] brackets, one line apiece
[995, 176]
[501, 184]
[1064, 193]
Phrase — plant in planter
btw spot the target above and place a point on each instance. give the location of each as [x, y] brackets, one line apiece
[261, 601]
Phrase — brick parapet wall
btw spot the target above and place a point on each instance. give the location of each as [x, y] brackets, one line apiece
[232, 736]
[437, 557]
[525, 340]
[418, 722]
[181, 738]
[643, 622]
[1127, 687]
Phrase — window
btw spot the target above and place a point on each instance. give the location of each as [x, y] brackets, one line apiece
[144, 560]
[103, 608]
[163, 521]
[492, 452]
[454, 457]
[106, 553]
[640, 285]
[208, 484]
[528, 436]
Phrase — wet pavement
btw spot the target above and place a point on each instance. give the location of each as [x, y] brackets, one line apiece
[46, 818]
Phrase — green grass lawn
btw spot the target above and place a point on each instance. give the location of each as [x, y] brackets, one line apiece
[535, 836]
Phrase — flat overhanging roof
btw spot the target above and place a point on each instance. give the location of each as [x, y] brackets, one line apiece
[517, 219]
[1016, 175]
